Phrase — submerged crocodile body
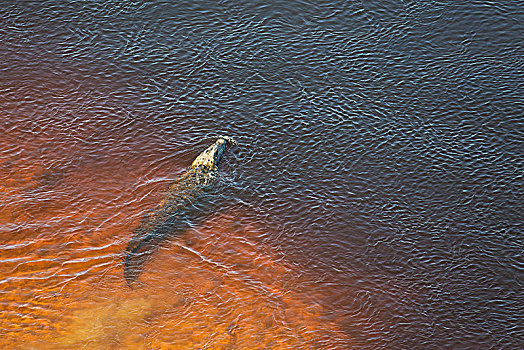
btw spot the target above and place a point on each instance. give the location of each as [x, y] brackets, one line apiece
[173, 209]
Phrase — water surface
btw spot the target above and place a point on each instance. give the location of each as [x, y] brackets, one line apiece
[374, 201]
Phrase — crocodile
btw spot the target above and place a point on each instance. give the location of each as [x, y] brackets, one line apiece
[172, 211]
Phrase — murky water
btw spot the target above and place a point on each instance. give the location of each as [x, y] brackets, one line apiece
[374, 200]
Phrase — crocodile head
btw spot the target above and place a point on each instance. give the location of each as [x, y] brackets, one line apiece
[211, 156]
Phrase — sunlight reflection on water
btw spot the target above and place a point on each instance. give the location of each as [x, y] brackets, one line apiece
[374, 201]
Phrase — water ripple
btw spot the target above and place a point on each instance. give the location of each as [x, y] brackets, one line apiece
[374, 200]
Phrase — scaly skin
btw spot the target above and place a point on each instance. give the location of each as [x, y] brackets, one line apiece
[183, 192]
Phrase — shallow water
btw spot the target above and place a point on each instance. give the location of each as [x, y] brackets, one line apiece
[374, 200]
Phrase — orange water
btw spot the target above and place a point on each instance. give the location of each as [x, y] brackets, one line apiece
[217, 286]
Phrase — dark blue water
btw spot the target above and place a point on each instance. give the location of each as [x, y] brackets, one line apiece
[380, 150]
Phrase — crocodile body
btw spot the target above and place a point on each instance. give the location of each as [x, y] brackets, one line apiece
[172, 210]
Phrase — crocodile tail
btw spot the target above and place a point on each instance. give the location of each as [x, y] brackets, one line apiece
[137, 253]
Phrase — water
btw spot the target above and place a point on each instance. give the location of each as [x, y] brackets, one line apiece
[374, 201]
